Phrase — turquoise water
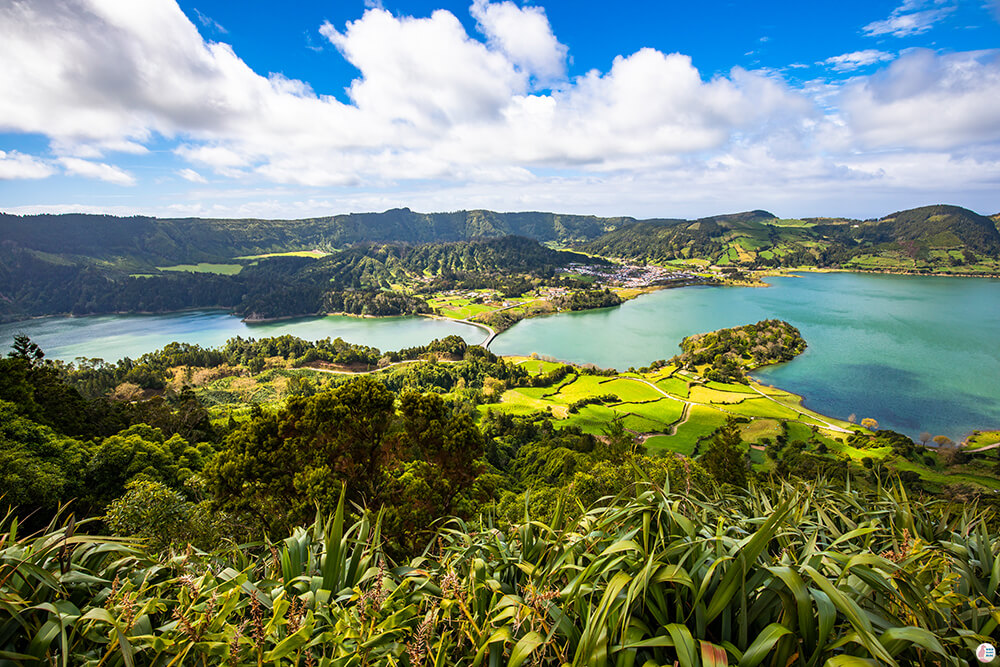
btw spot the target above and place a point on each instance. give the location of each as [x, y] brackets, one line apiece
[112, 337]
[915, 353]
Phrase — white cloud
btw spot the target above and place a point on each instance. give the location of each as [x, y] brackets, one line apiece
[444, 119]
[905, 20]
[98, 170]
[857, 59]
[15, 165]
[524, 35]
[424, 72]
[191, 175]
[928, 101]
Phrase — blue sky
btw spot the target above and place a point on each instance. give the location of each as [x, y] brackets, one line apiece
[297, 109]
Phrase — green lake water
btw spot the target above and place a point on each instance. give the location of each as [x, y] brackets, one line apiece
[112, 337]
[915, 353]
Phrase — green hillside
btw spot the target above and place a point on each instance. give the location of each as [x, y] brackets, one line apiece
[931, 237]
[162, 242]
[32, 283]
[927, 239]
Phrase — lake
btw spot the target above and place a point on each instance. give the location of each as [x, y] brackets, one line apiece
[915, 353]
[112, 337]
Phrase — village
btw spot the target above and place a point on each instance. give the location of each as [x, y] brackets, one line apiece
[632, 275]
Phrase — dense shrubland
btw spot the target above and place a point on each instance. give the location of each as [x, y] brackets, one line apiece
[780, 575]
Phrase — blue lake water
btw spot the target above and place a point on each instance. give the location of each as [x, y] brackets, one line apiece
[915, 353]
[112, 337]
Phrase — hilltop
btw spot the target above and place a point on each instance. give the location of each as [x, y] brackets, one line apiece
[928, 239]
[136, 244]
[145, 242]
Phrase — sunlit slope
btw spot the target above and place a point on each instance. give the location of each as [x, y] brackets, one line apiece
[931, 237]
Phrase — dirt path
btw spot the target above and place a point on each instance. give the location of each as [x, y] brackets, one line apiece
[983, 448]
[336, 371]
[832, 427]
[490, 332]
[643, 437]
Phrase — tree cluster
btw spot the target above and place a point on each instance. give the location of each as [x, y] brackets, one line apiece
[729, 353]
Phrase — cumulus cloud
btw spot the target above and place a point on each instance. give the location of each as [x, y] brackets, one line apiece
[906, 20]
[482, 116]
[524, 35]
[98, 170]
[424, 72]
[925, 100]
[847, 62]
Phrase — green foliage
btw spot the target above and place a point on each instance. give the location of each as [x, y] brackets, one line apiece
[359, 280]
[140, 451]
[280, 465]
[590, 298]
[783, 576]
[730, 352]
[725, 458]
[39, 468]
[822, 242]
[601, 399]
[164, 517]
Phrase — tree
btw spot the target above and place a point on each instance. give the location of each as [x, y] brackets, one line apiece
[451, 442]
[39, 468]
[924, 438]
[725, 458]
[24, 348]
[150, 510]
[620, 445]
[279, 465]
[869, 424]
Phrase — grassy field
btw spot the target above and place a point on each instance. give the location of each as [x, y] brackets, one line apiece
[758, 429]
[464, 307]
[943, 478]
[675, 423]
[674, 385]
[702, 394]
[204, 267]
[983, 439]
[664, 412]
[690, 411]
[535, 366]
[315, 253]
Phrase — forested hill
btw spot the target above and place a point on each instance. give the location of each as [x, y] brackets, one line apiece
[280, 286]
[658, 240]
[938, 226]
[153, 241]
[930, 237]
[382, 265]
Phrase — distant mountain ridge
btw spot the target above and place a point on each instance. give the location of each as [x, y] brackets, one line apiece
[758, 238]
[167, 241]
[135, 243]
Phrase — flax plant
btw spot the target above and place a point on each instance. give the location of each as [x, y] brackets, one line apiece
[781, 575]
